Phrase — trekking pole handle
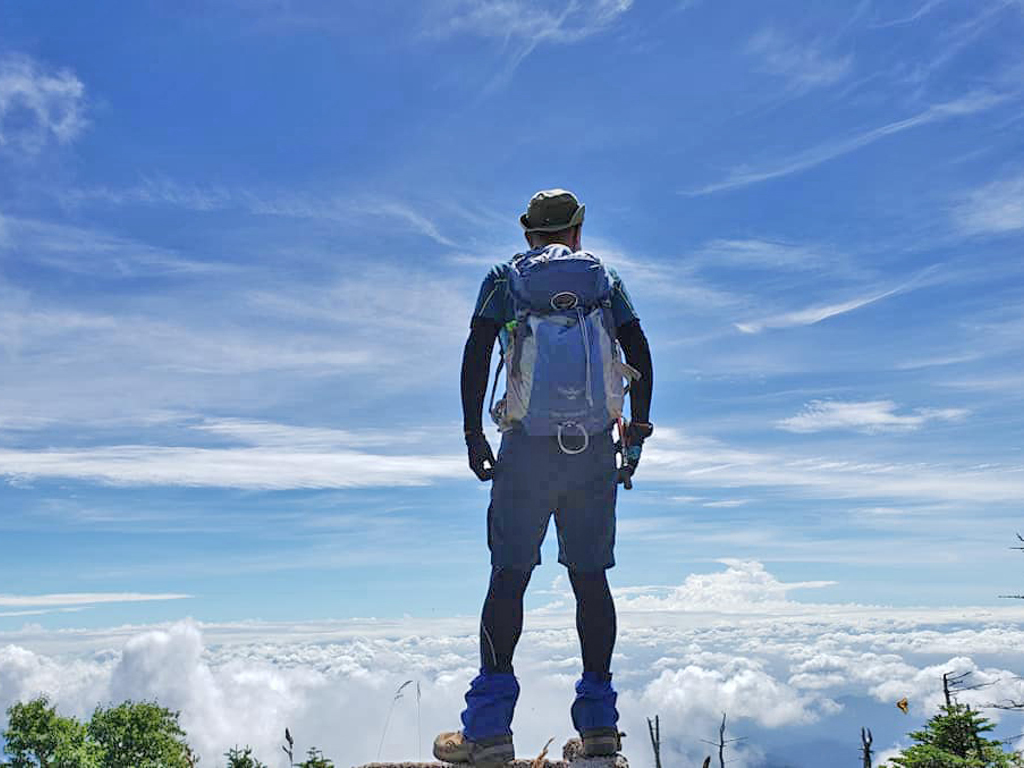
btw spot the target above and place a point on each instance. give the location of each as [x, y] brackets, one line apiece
[625, 472]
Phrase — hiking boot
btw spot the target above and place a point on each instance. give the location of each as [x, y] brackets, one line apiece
[491, 752]
[601, 742]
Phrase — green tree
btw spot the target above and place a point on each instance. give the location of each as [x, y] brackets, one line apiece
[139, 735]
[954, 739]
[37, 736]
[242, 758]
[315, 759]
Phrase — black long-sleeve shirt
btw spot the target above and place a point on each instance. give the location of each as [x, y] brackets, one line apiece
[476, 363]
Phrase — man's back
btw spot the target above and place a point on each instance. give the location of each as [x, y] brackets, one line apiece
[536, 476]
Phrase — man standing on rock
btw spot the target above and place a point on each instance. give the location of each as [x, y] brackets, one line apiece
[561, 317]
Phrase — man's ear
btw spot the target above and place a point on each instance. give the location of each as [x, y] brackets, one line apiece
[528, 241]
[577, 239]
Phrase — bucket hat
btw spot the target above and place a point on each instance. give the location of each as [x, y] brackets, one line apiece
[551, 210]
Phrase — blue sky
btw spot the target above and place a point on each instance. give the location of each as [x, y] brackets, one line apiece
[240, 241]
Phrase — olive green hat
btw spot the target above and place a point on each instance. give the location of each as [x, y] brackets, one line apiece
[551, 210]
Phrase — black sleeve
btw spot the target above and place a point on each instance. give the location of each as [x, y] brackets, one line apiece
[638, 354]
[476, 366]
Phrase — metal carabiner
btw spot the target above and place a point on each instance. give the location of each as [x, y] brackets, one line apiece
[561, 443]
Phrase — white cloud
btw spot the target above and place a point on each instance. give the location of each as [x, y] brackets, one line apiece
[994, 208]
[744, 587]
[251, 468]
[244, 682]
[872, 416]
[700, 462]
[804, 65]
[726, 503]
[972, 103]
[742, 689]
[37, 106]
[84, 598]
[265, 456]
[267, 434]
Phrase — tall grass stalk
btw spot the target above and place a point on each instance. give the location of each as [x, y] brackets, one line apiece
[398, 695]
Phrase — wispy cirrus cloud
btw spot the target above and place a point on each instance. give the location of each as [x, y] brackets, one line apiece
[83, 598]
[38, 612]
[654, 278]
[38, 105]
[95, 252]
[972, 103]
[759, 253]
[993, 208]
[803, 65]
[920, 12]
[870, 416]
[365, 211]
[774, 254]
[812, 315]
[954, 38]
[527, 19]
[523, 25]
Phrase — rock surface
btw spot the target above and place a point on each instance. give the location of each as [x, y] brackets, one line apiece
[570, 759]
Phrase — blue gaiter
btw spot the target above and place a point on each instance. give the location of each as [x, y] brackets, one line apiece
[595, 703]
[490, 702]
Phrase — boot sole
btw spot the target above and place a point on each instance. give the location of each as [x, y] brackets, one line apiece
[480, 755]
[494, 756]
[601, 744]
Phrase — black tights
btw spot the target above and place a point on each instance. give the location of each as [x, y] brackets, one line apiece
[502, 621]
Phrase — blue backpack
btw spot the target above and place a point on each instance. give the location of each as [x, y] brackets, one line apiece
[563, 367]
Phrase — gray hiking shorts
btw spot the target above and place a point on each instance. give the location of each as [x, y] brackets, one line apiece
[534, 479]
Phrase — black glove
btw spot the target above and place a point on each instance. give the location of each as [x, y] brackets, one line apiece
[481, 459]
[636, 433]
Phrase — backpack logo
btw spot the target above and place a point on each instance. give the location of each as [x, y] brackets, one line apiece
[570, 393]
[565, 300]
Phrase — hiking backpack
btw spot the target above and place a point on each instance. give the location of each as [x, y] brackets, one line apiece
[563, 367]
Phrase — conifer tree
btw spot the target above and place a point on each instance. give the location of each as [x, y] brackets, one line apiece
[315, 759]
[242, 758]
[954, 738]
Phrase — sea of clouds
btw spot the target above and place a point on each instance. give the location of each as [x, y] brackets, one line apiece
[797, 679]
